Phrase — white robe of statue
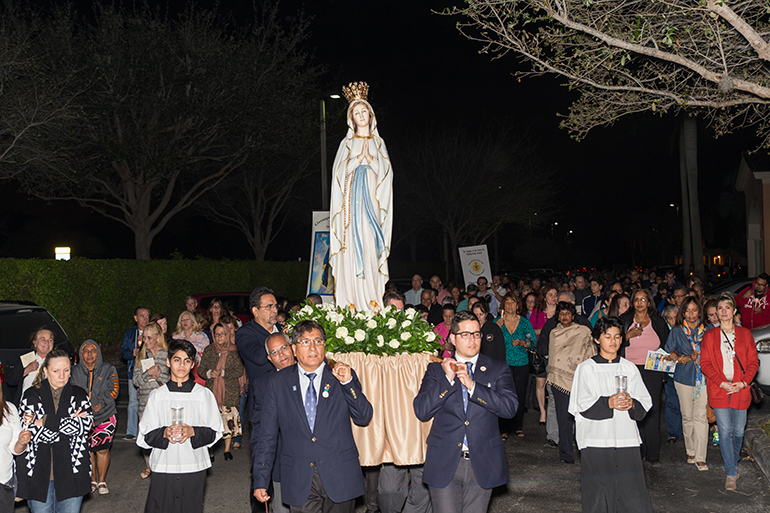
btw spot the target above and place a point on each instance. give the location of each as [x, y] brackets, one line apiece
[361, 217]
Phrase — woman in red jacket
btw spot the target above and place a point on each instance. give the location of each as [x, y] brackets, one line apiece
[729, 362]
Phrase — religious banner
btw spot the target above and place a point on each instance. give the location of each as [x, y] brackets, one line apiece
[474, 261]
[320, 279]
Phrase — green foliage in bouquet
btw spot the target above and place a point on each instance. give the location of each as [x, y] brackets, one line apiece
[387, 332]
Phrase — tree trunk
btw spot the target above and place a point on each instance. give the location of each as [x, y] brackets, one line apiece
[142, 244]
[686, 235]
[691, 158]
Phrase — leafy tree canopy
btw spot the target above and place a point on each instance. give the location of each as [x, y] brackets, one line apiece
[709, 57]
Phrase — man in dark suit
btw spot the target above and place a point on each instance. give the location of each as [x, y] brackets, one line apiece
[312, 406]
[465, 396]
[250, 338]
[279, 352]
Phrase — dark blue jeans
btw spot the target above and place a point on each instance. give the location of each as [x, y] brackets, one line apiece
[51, 505]
[731, 424]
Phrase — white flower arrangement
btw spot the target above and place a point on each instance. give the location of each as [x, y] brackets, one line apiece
[388, 331]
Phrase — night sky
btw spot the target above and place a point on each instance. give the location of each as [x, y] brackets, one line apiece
[614, 186]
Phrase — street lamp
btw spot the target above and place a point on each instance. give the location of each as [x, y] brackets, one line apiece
[324, 172]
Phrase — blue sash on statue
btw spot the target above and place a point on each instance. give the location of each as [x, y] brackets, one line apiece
[364, 211]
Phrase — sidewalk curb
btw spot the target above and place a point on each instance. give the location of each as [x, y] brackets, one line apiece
[757, 440]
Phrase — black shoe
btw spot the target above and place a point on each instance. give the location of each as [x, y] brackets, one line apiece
[571, 462]
[551, 443]
[211, 455]
[228, 456]
[129, 437]
[541, 423]
[672, 440]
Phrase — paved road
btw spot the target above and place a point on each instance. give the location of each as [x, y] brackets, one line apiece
[539, 481]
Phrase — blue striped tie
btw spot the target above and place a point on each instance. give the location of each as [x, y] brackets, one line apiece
[469, 365]
[311, 400]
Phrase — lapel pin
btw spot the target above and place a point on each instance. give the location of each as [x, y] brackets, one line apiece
[483, 369]
[294, 388]
[325, 394]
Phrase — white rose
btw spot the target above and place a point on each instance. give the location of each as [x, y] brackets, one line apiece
[349, 341]
[307, 310]
[327, 306]
[430, 336]
[387, 309]
[341, 332]
[391, 323]
[411, 313]
[371, 324]
[359, 315]
[369, 314]
[406, 324]
[380, 340]
[405, 336]
[360, 335]
[394, 344]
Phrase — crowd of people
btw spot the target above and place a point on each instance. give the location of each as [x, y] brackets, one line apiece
[557, 346]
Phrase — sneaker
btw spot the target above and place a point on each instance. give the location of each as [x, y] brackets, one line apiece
[731, 483]
[129, 437]
[550, 443]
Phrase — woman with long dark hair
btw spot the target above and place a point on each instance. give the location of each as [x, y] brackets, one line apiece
[518, 335]
[644, 330]
[684, 347]
[545, 308]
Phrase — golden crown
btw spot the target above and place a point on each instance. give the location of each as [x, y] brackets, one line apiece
[355, 91]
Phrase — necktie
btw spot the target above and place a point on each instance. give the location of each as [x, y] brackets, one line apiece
[311, 400]
[469, 365]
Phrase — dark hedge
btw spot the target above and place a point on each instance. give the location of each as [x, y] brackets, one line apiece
[96, 298]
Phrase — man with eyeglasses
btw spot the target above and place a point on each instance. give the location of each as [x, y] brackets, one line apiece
[279, 352]
[250, 339]
[465, 397]
[312, 405]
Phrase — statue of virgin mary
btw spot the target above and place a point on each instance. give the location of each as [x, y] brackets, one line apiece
[361, 207]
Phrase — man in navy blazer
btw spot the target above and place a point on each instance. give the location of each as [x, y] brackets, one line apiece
[465, 457]
[279, 352]
[312, 406]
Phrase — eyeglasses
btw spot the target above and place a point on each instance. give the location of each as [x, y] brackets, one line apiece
[220, 335]
[306, 342]
[640, 300]
[466, 335]
[284, 348]
[269, 307]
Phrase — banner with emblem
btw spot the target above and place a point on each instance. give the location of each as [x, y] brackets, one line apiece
[474, 261]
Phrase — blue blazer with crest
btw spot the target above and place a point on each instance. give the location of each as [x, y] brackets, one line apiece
[493, 396]
[329, 448]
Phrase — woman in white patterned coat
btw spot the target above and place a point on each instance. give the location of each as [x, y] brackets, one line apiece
[58, 416]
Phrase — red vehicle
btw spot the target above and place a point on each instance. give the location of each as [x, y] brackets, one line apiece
[239, 301]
